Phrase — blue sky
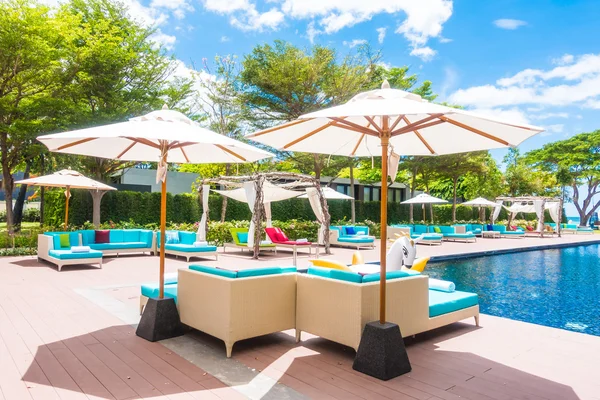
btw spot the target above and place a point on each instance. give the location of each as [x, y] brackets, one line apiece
[527, 61]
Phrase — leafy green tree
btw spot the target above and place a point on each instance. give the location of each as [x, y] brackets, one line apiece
[523, 179]
[576, 162]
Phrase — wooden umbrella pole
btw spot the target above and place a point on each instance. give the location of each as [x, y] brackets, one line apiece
[385, 137]
[67, 207]
[163, 223]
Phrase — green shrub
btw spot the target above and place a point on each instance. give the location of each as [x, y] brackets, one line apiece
[19, 251]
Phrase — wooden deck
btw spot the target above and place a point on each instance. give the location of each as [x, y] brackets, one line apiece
[69, 335]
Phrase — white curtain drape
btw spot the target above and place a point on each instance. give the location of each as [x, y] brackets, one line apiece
[201, 234]
[250, 189]
[393, 163]
[553, 210]
[497, 211]
[538, 206]
[315, 203]
[268, 214]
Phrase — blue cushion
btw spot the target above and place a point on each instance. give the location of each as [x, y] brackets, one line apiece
[68, 255]
[214, 271]
[246, 273]
[286, 270]
[242, 237]
[356, 239]
[187, 237]
[188, 248]
[421, 229]
[460, 235]
[151, 290]
[171, 237]
[115, 236]
[388, 275]
[88, 237]
[118, 246]
[350, 230]
[146, 237]
[318, 271]
[131, 235]
[443, 302]
[514, 233]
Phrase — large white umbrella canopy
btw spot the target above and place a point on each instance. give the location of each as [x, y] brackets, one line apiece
[68, 179]
[479, 202]
[424, 198]
[372, 122]
[330, 194]
[163, 135]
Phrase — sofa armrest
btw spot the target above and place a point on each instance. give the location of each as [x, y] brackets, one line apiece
[45, 244]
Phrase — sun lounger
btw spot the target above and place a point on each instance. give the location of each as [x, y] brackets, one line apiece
[237, 305]
[428, 238]
[358, 238]
[52, 250]
[280, 239]
[449, 233]
[186, 246]
[240, 241]
[336, 304]
[506, 233]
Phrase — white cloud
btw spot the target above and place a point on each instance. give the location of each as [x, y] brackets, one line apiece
[575, 84]
[168, 41]
[381, 34]
[550, 115]
[514, 115]
[564, 60]
[421, 21]
[178, 7]
[510, 24]
[224, 39]
[556, 128]
[444, 39]
[450, 81]
[354, 43]
[424, 53]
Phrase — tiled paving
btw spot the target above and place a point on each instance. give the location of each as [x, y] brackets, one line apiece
[70, 335]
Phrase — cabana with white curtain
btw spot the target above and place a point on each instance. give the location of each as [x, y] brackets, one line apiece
[533, 204]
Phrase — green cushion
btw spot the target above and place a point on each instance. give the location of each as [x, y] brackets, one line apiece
[214, 271]
[68, 255]
[73, 239]
[246, 273]
[242, 237]
[187, 237]
[388, 275]
[64, 240]
[437, 229]
[116, 236]
[118, 246]
[131, 235]
[151, 290]
[443, 302]
[188, 248]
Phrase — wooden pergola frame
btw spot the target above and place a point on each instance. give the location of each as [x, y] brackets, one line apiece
[544, 199]
[298, 181]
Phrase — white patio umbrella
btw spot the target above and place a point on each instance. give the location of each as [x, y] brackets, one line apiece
[479, 202]
[372, 122]
[154, 137]
[330, 194]
[68, 179]
[423, 199]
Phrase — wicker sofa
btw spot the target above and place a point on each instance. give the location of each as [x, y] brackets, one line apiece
[336, 308]
[121, 241]
[185, 247]
[237, 305]
[351, 236]
[50, 249]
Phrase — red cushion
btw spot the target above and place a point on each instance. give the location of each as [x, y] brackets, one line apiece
[280, 237]
[271, 233]
[103, 236]
[284, 237]
[529, 228]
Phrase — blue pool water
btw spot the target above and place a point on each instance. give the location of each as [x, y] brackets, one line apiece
[558, 288]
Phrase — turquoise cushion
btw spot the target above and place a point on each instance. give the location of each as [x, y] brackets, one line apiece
[460, 235]
[131, 235]
[345, 276]
[335, 228]
[146, 237]
[214, 271]
[318, 271]
[246, 273]
[515, 233]
[187, 237]
[499, 228]
[428, 236]
[67, 255]
[242, 237]
[388, 275]
[286, 270]
[443, 303]
[73, 239]
[188, 248]
[355, 239]
[151, 290]
[363, 229]
[420, 229]
[88, 237]
[115, 236]
[118, 246]
[446, 229]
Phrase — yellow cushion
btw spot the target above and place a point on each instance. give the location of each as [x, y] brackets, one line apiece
[64, 240]
[330, 264]
[357, 258]
[420, 263]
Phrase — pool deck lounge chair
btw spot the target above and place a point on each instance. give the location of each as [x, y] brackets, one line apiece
[50, 249]
[351, 236]
[428, 238]
[280, 239]
[242, 244]
[185, 247]
[508, 234]
[576, 229]
[337, 308]
[450, 233]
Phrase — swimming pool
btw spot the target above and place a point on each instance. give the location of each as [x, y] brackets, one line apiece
[557, 287]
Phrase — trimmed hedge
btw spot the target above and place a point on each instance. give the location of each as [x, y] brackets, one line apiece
[144, 208]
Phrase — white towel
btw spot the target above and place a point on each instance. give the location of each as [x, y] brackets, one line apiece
[267, 241]
[80, 249]
[301, 240]
[441, 286]
[200, 244]
[366, 269]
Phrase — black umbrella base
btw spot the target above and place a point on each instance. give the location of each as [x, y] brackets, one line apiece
[160, 320]
[381, 353]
